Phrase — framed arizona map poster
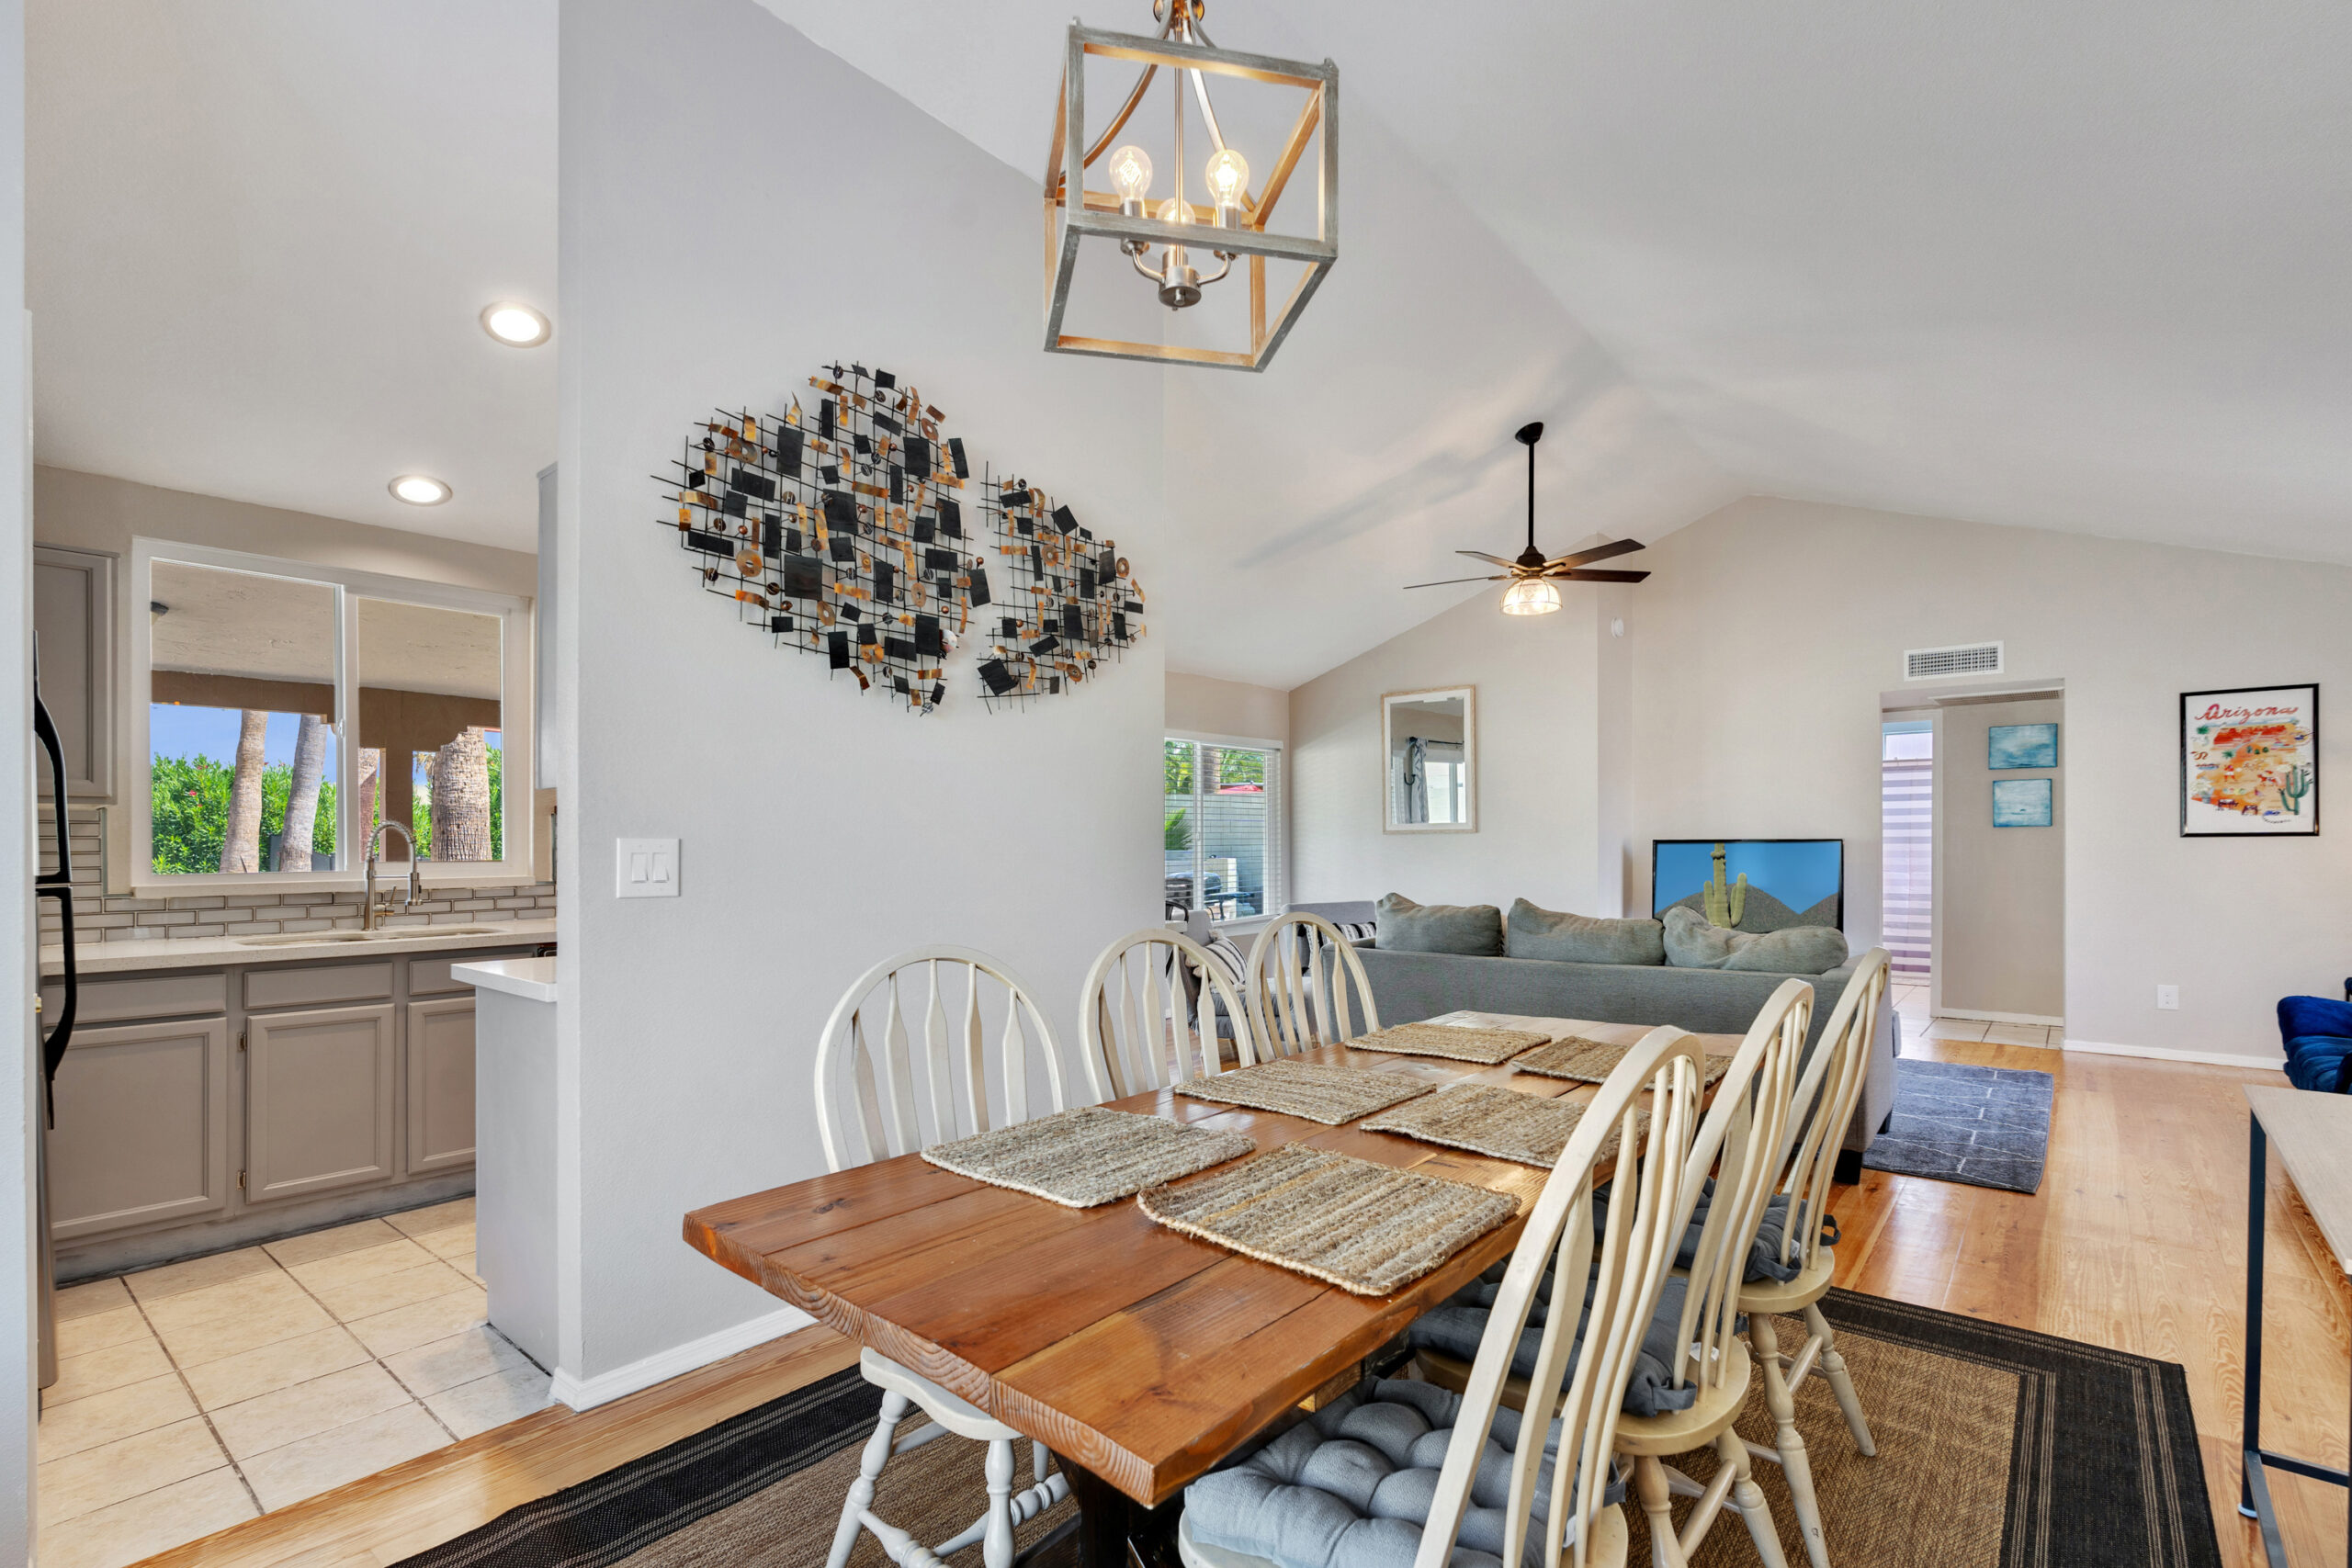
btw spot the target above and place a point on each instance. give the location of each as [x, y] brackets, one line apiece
[2249, 762]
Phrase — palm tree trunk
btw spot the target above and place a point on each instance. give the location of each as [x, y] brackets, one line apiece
[302, 794]
[461, 798]
[371, 762]
[241, 841]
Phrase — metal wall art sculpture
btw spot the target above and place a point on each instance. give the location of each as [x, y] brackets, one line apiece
[849, 527]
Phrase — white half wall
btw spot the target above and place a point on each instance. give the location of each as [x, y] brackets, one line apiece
[735, 212]
[1766, 632]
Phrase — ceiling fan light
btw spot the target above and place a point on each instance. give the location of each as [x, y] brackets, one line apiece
[1531, 596]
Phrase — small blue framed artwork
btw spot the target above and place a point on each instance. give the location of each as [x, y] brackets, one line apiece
[2021, 803]
[2022, 746]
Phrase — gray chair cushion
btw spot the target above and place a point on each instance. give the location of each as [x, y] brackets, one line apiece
[1407, 927]
[1351, 1486]
[1458, 1326]
[1763, 1258]
[1691, 943]
[1530, 933]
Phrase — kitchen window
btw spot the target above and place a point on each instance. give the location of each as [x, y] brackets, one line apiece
[289, 709]
[1221, 823]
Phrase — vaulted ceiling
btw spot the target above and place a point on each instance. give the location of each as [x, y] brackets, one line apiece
[2077, 267]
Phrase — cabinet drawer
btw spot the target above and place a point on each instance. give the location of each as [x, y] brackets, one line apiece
[430, 977]
[314, 987]
[154, 995]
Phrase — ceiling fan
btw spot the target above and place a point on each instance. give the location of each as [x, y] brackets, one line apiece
[1531, 576]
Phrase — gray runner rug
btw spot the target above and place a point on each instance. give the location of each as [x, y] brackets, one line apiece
[1983, 1126]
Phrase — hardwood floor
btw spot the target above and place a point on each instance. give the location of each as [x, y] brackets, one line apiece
[2136, 1241]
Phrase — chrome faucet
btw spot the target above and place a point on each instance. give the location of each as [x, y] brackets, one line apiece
[367, 911]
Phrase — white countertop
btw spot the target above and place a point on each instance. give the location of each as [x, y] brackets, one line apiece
[530, 977]
[218, 952]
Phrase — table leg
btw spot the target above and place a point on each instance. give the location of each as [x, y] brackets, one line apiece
[1112, 1524]
[2257, 1181]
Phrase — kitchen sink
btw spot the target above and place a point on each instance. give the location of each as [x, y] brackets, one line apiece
[308, 939]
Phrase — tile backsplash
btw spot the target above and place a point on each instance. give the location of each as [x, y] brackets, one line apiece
[123, 917]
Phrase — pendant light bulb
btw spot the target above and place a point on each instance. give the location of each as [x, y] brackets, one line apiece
[1228, 176]
[1531, 596]
[1130, 175]
[1173, 212]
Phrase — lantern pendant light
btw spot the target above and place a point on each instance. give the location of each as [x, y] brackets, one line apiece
[1231, 226]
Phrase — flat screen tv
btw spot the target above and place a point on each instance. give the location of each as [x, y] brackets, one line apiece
[1790, 882]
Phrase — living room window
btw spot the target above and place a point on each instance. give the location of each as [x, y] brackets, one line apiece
[289, 708]
[1221, 825]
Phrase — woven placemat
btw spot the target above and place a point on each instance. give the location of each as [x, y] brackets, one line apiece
[1320, 1093]
[1590, 1061]
[1367, 1228]
[1487, 1120]
[1090, 1156]
[1460, 1042]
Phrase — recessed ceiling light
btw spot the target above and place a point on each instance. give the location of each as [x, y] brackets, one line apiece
[419, 490]
[516, 326]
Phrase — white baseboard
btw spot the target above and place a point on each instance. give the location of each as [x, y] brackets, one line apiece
[2161, 1054]
[582, 1394]
[2003, 1016]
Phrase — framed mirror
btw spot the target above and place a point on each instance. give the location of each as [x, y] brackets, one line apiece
[1429, 740]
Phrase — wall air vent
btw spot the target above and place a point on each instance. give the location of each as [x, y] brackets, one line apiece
[1965, 658]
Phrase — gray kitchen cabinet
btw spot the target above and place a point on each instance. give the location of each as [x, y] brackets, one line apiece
[143, 1127]
[319, 1100]
[440, 1084]
[73, 618]
[201, 1109]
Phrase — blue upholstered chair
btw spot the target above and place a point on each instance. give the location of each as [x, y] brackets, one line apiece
[2317, 1032]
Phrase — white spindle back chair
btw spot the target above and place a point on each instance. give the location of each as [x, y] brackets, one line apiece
[870, 1106]
[1829, 1089]
[1739, 1146]
[1639, 1231]
[1298, 998]
[1833, 1084]
[1139, 1032]
[865, 1061]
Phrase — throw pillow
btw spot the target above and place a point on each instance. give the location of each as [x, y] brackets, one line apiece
[1691, 943]
[1530, 933]
[1407, 926]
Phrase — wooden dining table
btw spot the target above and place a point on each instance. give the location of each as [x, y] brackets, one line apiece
[1140, 1357]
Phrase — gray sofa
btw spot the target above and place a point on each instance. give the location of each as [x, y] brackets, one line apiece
[1409, 986]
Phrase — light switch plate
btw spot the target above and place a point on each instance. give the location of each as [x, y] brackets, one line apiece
[645, 868]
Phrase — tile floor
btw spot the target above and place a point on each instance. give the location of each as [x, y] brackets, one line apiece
[1918, 1023]
[195, 1395]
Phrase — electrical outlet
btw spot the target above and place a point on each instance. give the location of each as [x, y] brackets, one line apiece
[645, 868]
[2168, 998]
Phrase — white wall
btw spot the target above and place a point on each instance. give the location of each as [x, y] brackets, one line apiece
[1201, 704]
[2000, 891]
[20, 1091]
[1744, 701]
[738, 208]
[1767, 631]
[1540, 799]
